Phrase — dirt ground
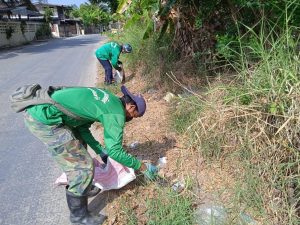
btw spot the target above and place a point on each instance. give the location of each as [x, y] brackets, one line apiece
[156, 139]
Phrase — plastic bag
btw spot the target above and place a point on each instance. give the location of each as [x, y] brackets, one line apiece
[118, 76]
[112, 176]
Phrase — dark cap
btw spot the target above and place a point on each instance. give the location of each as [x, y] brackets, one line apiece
[138, 99]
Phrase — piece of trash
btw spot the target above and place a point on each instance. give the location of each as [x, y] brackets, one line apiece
[213, 214]
[178, 186]
[134, 144]
[246, 219]
[118, 76]
[169, 96]
[162, 162]
[218, 215]
[152, 91]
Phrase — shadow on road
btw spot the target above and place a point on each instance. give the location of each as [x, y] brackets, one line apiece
[50, 45]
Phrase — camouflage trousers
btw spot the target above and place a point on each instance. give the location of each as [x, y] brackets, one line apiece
[67, 151]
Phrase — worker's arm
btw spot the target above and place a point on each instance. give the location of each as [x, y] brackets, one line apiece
[113, 138]
[115, 56]
[87, 136]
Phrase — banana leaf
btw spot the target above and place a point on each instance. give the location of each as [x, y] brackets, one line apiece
[149, 30]
[163, 12]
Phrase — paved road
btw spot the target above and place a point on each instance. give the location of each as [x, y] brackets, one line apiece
[27, 173]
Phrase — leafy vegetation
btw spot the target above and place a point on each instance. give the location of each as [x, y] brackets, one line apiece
[246, 53]
[9, 31]
[91, 14]
[257, 114]
[48, 14]
[43, 32]
[169, 208]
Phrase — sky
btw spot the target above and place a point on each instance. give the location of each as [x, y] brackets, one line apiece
[67, 2]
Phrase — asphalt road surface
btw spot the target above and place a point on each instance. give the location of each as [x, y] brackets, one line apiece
[27, 173]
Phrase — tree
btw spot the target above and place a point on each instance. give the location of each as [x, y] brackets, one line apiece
[113, 4]
[91, 14]
[48, 14]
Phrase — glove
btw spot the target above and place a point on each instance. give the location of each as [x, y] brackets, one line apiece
[151, 172]
[103, 157]
[119, 66]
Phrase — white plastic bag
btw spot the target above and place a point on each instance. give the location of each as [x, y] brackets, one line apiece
[118, 77]
[113, 176]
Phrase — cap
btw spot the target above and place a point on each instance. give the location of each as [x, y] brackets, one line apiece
[127, 48]
[138, 99]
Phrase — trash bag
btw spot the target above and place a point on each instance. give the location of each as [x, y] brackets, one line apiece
[113, 175]
[119, 76]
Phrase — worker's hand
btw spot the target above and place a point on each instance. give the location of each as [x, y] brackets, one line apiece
[119, 66]
[103, 157]
[150, 172]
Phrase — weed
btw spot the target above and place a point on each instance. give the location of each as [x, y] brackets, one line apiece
[169, 208]
[256, 127]
[130, 216]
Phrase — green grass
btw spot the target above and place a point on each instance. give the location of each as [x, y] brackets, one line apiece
[262, 124]
[130, 216]
[151, 57]
[169, 208]
[185, 111]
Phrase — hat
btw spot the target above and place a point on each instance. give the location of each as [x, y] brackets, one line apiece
[138, 99]
[127, 48]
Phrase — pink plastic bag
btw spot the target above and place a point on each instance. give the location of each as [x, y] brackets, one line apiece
[113, 176]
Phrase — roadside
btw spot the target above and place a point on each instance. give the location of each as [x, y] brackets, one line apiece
[148, 138]
[187, 173]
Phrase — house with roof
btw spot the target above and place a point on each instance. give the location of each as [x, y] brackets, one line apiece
[62, 25]
[16, 25]
[17, 10]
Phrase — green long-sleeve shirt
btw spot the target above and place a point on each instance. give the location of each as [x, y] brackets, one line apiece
[92, 104]
[109, 51]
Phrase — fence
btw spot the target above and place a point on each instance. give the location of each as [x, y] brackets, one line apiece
[17, 33]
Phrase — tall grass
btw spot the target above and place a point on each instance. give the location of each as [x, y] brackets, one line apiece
[150, 57]
[169, 208]
[255, 125]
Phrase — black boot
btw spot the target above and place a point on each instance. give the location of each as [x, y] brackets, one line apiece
[79, 213]
[93, 191]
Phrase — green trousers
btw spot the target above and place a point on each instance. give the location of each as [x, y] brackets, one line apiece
[68, 152]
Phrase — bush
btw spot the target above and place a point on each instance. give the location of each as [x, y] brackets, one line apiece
[43, 32]
[9, 31]
[152, 57]
[253, 125]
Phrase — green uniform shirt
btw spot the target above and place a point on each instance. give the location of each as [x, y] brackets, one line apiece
[92, 104]
[109, 51]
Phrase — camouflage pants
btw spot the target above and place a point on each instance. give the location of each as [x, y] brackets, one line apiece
[67, 151]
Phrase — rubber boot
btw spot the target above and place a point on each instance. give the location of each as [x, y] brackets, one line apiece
[93, 191]
[79, 212]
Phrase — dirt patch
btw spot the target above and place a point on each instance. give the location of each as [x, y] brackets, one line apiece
[155, 139]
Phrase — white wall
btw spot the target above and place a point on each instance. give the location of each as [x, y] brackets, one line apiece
[17, 37]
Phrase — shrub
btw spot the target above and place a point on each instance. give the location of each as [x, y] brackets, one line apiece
[43, 32]
[9, 31]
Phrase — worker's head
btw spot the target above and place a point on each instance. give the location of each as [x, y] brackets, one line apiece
[135, 105]
[126, 48]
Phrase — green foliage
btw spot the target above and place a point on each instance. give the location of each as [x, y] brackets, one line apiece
[22, 26]
[185, 112]
[151, 57]
[226, 46]
[48, 14]
[130, 216]
[112, 4]
[43, 32]
[91, 14]
[9, 31]
[169, 208]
